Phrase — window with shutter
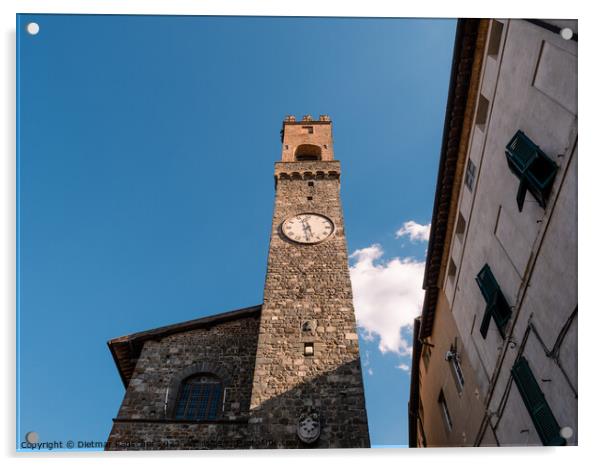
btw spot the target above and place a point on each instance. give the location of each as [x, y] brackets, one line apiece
[534, 169]
[497, 307]
[545, 423]
[445, 411]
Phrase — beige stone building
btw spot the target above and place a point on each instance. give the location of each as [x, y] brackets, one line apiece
[495, 349]
[283, 374]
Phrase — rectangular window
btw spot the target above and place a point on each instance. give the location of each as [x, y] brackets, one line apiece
[545, 423]
[482, 111]
[495, 38]
[308, 349]
[471, 172]
[445, 411]
[460, 227]
[456, 369]
[533, 168]
[497, 306]
[451, 270]
[309, 129]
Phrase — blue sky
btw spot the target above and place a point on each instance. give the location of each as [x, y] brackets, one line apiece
[145, 186]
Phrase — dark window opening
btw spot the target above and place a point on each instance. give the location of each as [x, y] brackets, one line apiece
[471, 172]
[545, 423]
[309, 129]
[307, 152]
[451, 270]
[460, 226]
[310, 183]
[310, 198]
[445, 411]
[534, 169]
[482, 110]
[199, 398]
[497, 306]
[495, 38]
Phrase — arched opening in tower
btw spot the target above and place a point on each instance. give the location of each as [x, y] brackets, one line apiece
[308, 152]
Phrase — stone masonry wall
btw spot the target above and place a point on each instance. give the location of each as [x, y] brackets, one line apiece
[296, 134]
[145, 421]
[308, 283]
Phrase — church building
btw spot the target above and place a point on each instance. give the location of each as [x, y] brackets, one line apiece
[282, 374]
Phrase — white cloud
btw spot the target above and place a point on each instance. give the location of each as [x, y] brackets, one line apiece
[387, 296]
[403, 367]
[415, 231]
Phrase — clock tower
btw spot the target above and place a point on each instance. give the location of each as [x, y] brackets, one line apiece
[307, 385]
[282, 374]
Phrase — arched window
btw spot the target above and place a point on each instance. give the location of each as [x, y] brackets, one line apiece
[199, 398]
[308, 152]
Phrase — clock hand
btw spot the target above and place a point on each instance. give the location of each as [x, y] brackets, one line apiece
[307, 230]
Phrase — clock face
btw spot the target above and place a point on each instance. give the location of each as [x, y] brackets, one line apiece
[308, 228]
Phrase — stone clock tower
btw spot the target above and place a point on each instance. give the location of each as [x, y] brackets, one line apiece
[282, 374]
[307, 384]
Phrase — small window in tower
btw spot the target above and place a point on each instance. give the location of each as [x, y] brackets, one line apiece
[310, 183]
[308, 349]
[310, 198]
[309, 129]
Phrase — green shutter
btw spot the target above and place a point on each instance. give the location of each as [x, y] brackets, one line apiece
[497, 306]
[485, 322]
[536, 404]
[534, 169]
[520, 152]
[487, 283]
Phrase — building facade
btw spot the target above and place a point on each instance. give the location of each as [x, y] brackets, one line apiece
[284, 374]
[495, 349]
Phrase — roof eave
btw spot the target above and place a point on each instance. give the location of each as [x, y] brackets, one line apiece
[468, 47]
[132, 344]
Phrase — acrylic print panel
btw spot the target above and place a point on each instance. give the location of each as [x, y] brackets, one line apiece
[162, 302]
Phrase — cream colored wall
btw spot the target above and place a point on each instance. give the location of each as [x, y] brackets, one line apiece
[530, 85]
